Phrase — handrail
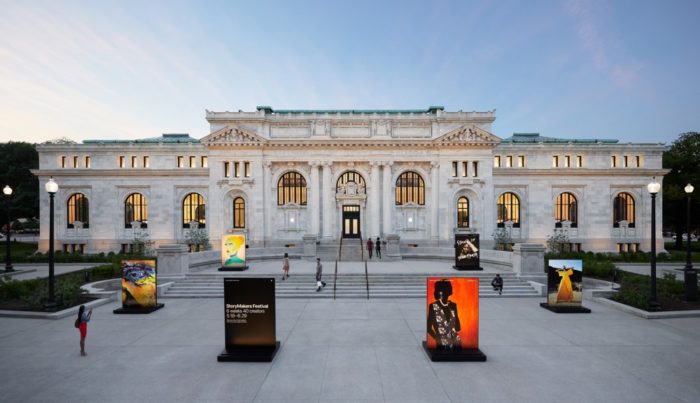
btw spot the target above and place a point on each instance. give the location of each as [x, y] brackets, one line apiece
[367, 279]
[335, 278]
[362, 245]
[340, 245]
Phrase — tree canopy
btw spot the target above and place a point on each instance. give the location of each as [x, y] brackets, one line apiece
[16, 159]
[683, 159]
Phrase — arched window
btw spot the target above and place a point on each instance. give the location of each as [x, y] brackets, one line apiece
[78, 209]
[463, 212]
[135, 209]
[193, 209]
[350, 177]
[623, 209]
[566, 209]
[508, 209]
[410, 188]
[238, 212]
[291, 188]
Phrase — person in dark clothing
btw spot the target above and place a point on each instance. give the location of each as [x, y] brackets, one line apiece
[319, 273]
[497, 284]
[370, 247]
[378, 248]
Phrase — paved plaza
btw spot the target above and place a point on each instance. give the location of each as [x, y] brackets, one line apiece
[353, 351]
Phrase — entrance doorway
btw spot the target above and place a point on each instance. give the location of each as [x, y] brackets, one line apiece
[351, 221]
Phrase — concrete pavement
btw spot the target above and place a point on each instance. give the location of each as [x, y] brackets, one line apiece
[352, 351]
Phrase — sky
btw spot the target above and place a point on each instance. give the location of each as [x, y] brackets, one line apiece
[626, 70]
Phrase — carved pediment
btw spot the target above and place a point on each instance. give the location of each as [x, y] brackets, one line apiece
[468, 134]
[233, 136]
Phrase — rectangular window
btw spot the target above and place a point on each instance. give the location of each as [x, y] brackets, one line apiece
[193, 161]
[75, 161]
[475, 171]
[613, 161]
[465, 164]
[625, 161]
[579, 161]
[63, 161]
[87, 161]
[236, 171]
[521, 161]
[509, 161]
[122, 161]
[555, 161]
[180, 161]
[146, 162]
[133, 161]
[454, 169]
[567, 161]
[227, 169]
[497, 161]
[638, 160]
[204, 161]
[246, 169]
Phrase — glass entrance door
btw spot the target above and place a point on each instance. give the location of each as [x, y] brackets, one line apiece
[351, 221]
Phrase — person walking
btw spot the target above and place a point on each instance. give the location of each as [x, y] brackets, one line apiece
[378, 248]
[81, 324]
[370, 247]
[319, 274]
[497, 284]
[285, 267]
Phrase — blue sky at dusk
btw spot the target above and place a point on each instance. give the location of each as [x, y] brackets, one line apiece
[628, 70]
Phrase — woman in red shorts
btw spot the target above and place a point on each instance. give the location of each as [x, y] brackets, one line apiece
[83, 319]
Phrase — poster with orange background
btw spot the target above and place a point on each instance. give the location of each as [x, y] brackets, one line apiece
[463, 302]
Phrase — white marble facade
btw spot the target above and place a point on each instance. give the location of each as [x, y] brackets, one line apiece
[245, 155]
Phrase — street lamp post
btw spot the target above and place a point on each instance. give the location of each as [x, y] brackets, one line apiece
[653, 189]
[690, 275]
[51, 188]
[8, 260]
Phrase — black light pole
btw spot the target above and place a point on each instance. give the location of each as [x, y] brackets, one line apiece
[51, 189]
[653, 189]
[690, 275]
[8, 260]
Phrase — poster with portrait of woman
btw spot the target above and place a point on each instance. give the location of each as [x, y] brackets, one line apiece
[564, 282]
[452, 313]
[233, 251]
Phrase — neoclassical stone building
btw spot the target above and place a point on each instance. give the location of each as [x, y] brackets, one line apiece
[416, 177]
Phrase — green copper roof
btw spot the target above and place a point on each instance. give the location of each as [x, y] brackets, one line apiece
[536, 138]
[165, 138]
[432, 109]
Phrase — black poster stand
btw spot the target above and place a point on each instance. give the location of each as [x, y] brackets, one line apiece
[565, 308]
[445, 355]
[467, 252]
[249, 320]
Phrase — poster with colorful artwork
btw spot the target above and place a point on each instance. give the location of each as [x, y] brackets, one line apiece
[452, 313]
[233, 251]
[564, 282]
[139, 287]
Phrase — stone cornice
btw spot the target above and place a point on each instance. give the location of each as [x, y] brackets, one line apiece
[563, 172]
[124, 172]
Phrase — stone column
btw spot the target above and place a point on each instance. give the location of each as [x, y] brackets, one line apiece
[528, 261]
[435, 198]
[328, 195]
[315, 200]
[374, 201]
[267, 199]
[173, 260]
[388, 198]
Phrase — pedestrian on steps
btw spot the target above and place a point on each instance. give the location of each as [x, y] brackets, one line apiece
[319, 274]
[378, 248]
[285, 267]
[370, 247]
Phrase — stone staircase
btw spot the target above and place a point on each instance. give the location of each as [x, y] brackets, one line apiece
[352, 250]
[211, 285]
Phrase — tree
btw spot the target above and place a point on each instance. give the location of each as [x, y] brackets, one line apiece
[683, 159]
[16, 159]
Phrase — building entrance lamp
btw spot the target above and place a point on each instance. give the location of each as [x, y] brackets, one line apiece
[51, 188]
[8, 260]
[653, 189]
[690, 275]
